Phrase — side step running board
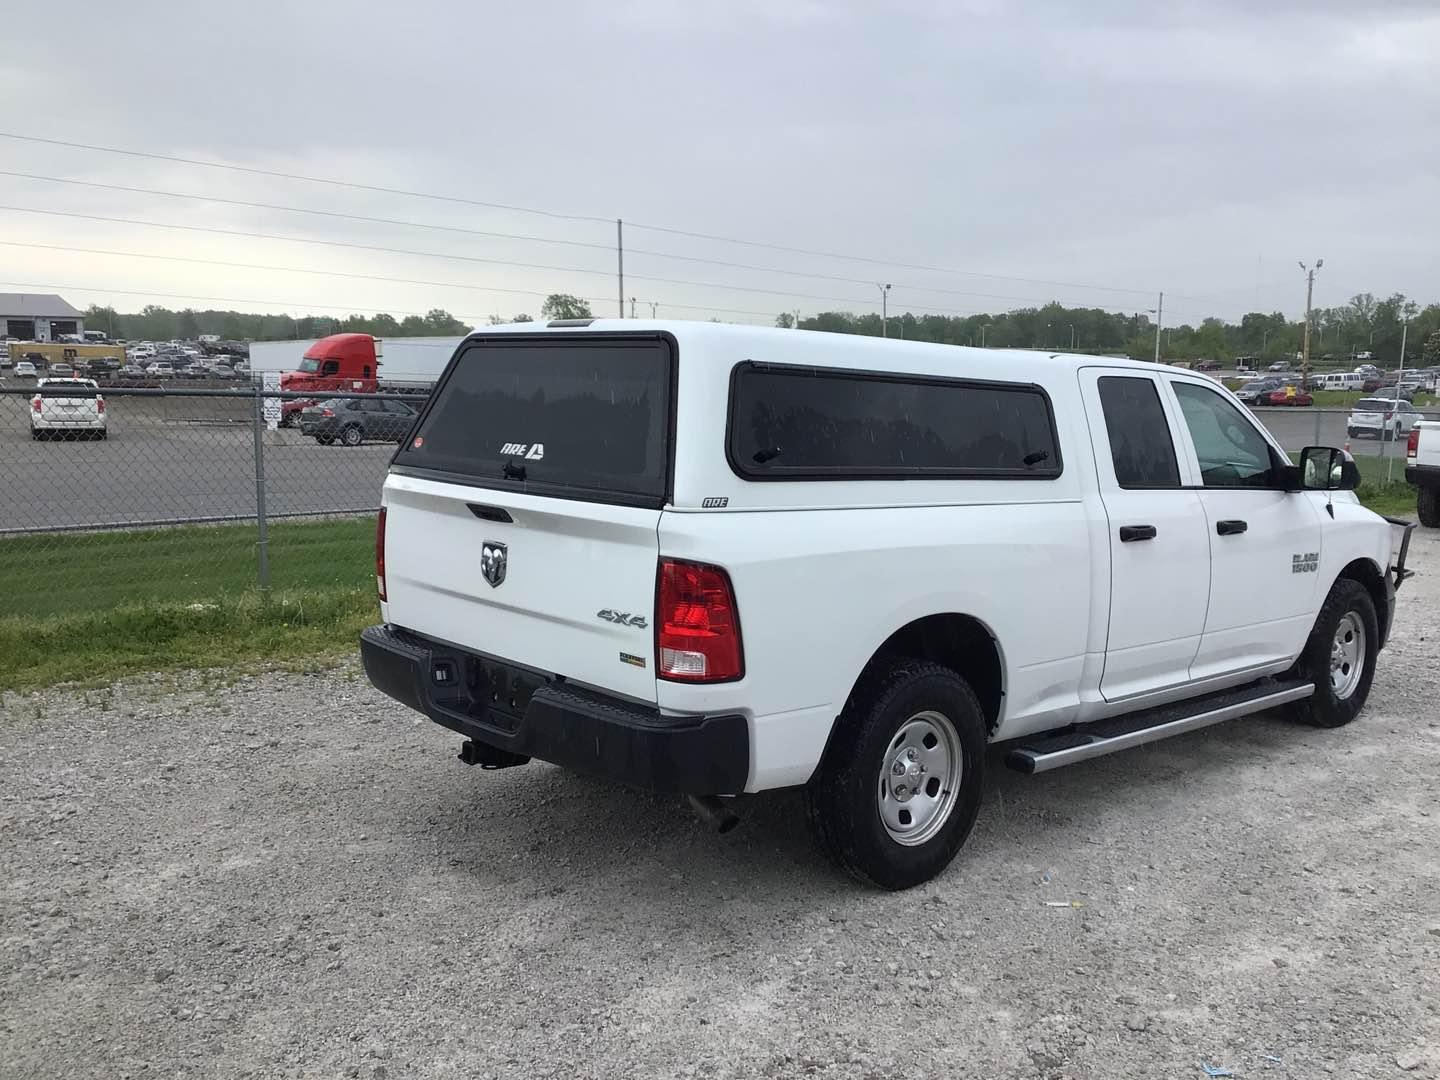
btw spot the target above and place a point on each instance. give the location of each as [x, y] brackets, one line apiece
[1085, 741]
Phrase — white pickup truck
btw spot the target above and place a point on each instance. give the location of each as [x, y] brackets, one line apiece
[716, 560]
[1422, 468]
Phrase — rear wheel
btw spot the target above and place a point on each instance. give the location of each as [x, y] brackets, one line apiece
[352, 436]
[899, 789]
[1427, 505]
[1340, 656]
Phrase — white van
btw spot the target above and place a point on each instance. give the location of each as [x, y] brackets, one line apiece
[1344, 380]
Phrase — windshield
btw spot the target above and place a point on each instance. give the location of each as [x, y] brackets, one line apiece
[310, 367]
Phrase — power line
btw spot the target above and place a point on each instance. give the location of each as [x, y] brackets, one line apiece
[668, 230]
[308, 179]
[539, 239]
[464, 285]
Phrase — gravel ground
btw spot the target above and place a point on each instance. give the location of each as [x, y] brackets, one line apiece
[287, 875]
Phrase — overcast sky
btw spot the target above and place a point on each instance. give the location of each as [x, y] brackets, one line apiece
[1199, 148]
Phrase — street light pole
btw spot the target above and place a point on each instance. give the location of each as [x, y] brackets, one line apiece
[1072, 337]
[1400, 378]
[1309, 297]
[982, 335]
[884, 308]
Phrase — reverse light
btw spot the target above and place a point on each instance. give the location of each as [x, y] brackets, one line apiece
[1412, 444]
[697, 626]
[380, 553]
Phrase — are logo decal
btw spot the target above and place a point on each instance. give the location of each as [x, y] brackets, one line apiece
[528, 451]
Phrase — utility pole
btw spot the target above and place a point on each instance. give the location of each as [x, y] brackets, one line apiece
[1159, 319]
[632, 308]
[1400, 378]
[982, 335]
[1309, 297]
[797, 318]
[1072, 336]
[654, 306]
[884, 308]
[620, 262]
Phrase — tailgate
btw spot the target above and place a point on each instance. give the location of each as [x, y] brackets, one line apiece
[530, 589]
[521, 515]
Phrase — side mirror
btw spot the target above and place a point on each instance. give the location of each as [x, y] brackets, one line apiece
[1326, 468]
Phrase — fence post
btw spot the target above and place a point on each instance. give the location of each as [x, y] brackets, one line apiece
[1316, 441]
[262, 539]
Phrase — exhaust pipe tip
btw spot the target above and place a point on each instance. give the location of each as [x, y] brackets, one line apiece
[713, 812]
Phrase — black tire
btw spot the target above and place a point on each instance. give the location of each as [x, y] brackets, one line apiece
[841, 800]
[352, 435]
[1324, 708]
[1427, 506]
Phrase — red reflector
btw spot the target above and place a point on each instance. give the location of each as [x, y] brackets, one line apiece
[1412, 444]
[380, 553]
[100, 404]
[697, 627]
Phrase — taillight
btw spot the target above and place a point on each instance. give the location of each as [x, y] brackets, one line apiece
[327, 412]
[380, 553]
[100, 405]
[697, 628]
[1412, 444]
[1389, 415]
[35, 403]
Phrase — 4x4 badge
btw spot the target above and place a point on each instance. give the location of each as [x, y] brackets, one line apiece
[622, 618]
[493, 559]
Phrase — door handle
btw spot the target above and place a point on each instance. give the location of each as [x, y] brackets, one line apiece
[1230, 528]
[1130, 533]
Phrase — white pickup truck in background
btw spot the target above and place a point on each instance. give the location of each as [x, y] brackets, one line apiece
[1422, 468]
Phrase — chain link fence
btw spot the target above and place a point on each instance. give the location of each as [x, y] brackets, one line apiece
[128, 495]
[193, 493]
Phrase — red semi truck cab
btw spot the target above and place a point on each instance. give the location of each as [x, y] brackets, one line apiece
[340, 362]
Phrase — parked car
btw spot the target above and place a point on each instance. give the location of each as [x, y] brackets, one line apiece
[1279, 365]
[67, 408]
[1422, 468]
[1289, 395]
[62, 370]
[1343, 380]
[1381, 418]
[570, 568]
[132, 371]
[24, 369]
[1206, 365]
[1257, 391]
[161, 369]
[356, 420]
[1399, 393]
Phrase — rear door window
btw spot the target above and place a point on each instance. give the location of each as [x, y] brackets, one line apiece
[829, 424]
[571, 417]
[1140, 443]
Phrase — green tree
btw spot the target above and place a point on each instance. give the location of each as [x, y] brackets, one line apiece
[785, 321]
[439, 322]
[522, 317]
[565, 306]
[1431, 352]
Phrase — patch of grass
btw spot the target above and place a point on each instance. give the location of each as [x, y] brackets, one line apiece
[52, 574]
[90, 607]
[297, 628]
[1394, 498]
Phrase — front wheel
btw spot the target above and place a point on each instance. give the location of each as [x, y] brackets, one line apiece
[899, 789]
[1340, 656]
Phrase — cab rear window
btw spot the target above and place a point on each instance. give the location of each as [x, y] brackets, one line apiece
[557, 416]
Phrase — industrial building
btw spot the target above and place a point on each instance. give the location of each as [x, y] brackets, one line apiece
[38, 317]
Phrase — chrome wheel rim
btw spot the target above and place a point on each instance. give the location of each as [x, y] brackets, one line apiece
[1347, 656]
[919, 778]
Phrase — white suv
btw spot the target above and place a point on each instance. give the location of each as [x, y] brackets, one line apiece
[715, 560]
